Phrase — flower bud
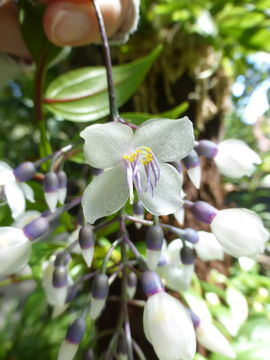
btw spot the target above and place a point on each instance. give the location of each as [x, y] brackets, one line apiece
[100, 290]
[203, 211]
[51, 184]
[86, 241]
[154, 242]
[192, 164]
[131, 284]
[60, 284]
[236, 159]
[168, 327]
[240, 232]
[36, 228]
[187, 255]
[207, 148]
[138, 212]
[210, 337]
[190, 235]
[15, 250]
[24, 171]
[62, 186]
[194, 318]
[151, 283]
[74, 336]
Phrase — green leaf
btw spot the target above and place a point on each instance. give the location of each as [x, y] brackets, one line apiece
[31, 21]
[81, 95]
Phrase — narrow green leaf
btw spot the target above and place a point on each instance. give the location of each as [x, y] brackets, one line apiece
[81, 95]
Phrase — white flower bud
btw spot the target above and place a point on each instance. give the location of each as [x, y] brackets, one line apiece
[240, 232]
[212, 339]
[235, 158]
[15, 250]
[208, 248]
[168, 328]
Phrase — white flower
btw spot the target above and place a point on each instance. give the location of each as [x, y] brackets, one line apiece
[208, 248]
[15, 250]
[14, 192]
[209, 336]
[168, 328]
[235, 158]
[135, 159]
[240, 232]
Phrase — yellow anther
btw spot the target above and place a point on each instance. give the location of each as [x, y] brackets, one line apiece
[144, 152]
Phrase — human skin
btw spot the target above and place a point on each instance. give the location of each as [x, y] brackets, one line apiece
[66, 23]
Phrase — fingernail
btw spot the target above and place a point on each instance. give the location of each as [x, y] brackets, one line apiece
[70, 27]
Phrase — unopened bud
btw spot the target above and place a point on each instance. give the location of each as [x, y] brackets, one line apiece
[207, 148]
[24, 171]
[62, 259]
[74, 336]
[154, 242]
[192, 164]
[203, 211]
[60, 283]
[138, 212]
[86, 241]
[191, 235]
[62, 186]
[187, 255]
[131, 284]
[151, 283]
[36, 228]
[76, 331]
[100, 290]
[51, 185]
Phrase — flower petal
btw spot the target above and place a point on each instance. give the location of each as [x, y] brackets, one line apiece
[240, 232]
[15, 199]
[28, 192]
[106, 194]
[169, 140]
[15, 250]
[6, 173]
[167, 194]
[105, 144]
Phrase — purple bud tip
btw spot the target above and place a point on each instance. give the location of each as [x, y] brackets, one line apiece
[187, 255]
[162, 261]
[191, 235]
[194, 318]
[60, 277]
[151, 283]
[154, 238]
[62, 259]
[86, 237]
[203, 211]
[207, 148]
[50, 183]
[72, 293]
[25, 171]
[192, 160]
[62, 179]
[132, 280]
[36, 228]
[76, 331]
[138, 208]
[100, 286]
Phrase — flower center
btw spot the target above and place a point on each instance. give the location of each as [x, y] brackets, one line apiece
[142, 157]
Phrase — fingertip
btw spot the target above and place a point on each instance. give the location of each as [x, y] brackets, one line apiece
[71, 24]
